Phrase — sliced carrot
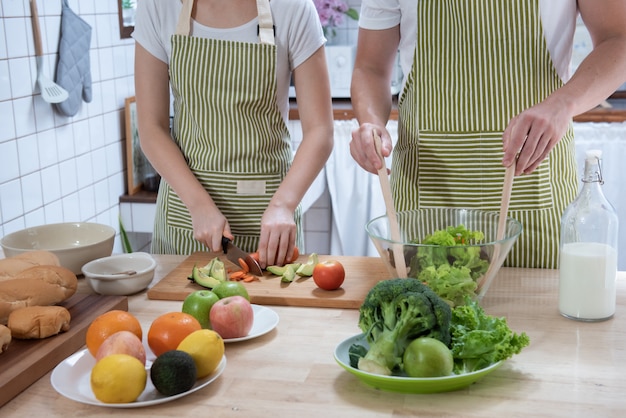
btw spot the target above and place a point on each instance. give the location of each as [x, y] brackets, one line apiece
[236, 275]
[244, 265]
[249, 278]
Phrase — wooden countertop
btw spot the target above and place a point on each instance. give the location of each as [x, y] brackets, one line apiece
[570, 368]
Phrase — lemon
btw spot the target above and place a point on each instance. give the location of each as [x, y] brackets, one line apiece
[206, 347]
[118, 378]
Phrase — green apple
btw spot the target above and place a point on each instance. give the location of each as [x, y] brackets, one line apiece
[427, 357]
[198, 304]
[226, 289]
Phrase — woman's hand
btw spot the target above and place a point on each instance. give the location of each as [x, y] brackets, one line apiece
[209, 226]
[278, 236]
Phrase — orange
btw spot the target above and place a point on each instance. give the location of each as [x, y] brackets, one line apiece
[108, 324]
[168, 330]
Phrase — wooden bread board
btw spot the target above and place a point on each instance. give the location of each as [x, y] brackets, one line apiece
[361, 274]
[26, 361]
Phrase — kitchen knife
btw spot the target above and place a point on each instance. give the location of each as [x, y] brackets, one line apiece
[234, 253]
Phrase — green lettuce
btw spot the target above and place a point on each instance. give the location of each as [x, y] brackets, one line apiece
[479, 340]
[451, 272]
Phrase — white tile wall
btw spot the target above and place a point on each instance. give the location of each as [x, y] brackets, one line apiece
[56, 168]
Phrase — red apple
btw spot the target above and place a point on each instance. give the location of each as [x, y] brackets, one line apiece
[329, 275]
[232, 317]
[122, 342]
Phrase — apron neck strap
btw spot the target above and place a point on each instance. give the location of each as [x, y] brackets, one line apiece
[266, 23]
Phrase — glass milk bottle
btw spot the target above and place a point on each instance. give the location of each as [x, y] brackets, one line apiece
[588, 250]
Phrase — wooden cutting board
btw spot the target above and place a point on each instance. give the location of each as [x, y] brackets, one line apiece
[361, 274]
[25, 361]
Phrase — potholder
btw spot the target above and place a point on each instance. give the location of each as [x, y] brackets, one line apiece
[73, 70]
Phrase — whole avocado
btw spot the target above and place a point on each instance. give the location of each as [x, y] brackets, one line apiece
[173, 372]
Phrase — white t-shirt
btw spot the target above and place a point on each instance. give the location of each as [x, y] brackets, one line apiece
[557, 16]
[298, 35]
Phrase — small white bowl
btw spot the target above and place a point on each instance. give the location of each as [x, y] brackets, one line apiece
[75, 243]
[122, 274]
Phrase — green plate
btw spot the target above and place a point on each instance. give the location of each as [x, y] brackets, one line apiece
[405, 384]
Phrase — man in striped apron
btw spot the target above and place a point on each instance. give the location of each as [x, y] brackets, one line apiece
[477, 64]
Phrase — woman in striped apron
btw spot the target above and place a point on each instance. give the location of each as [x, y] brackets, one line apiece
[228, 171]
[483, 87]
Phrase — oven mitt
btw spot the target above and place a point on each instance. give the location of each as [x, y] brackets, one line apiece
[73, 72]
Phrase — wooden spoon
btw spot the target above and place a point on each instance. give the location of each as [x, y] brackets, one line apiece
[509, 175]
[383, 177]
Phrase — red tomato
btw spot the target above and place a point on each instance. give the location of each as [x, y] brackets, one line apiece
[296, 254]
[329, 275]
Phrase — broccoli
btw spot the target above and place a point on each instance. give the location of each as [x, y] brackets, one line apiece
[394, 313]
[452, 272]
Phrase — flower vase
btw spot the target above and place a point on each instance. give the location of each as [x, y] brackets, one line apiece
[331, 37]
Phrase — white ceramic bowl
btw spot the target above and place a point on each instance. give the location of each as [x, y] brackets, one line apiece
[75, 243]
[121, 274]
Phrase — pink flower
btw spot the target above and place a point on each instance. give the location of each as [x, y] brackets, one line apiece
[332, 12]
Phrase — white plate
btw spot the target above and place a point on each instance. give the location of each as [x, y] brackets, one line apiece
[71, 379]
[265, 320]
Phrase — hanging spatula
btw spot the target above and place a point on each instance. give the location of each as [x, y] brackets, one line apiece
[51, 92]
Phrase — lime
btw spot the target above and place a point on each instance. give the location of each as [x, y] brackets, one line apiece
[427, 357]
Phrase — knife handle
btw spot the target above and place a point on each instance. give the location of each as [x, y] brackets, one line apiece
[225, 242]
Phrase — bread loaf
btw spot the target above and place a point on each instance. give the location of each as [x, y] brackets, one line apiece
[5, 338]
[36, 286]
[12, 266]
[39, 321]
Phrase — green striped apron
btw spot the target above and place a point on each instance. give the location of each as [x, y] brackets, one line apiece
[230, 130]
[477, 64]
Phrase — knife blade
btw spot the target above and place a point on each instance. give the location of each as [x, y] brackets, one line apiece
[234, 253]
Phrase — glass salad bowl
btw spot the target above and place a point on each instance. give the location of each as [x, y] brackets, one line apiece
[454, 251]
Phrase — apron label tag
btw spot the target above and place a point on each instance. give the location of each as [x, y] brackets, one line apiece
[250, 187]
